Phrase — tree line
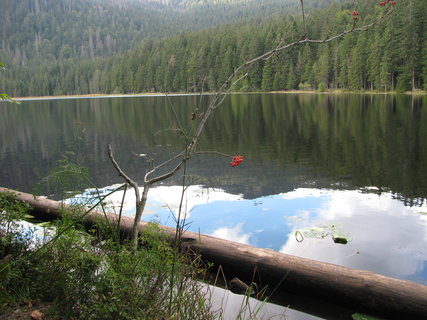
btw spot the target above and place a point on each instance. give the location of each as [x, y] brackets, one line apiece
[391, 56]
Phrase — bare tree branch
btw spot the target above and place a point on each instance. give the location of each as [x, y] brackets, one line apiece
[146, 180]
[167, 175]
[122, 174]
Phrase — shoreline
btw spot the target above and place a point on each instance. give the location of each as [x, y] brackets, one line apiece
[101, 95]
[175, 94]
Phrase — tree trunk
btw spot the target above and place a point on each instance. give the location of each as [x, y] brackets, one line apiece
[140, 205]
[359, 290]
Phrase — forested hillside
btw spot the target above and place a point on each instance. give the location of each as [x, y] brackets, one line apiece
[37, 36]
[390, 56]
[77, 47]
[62, 29]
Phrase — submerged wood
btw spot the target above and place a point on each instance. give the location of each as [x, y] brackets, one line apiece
[362, 291]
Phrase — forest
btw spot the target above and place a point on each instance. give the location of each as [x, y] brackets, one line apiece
[86, 47]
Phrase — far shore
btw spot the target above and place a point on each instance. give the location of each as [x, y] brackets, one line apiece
[160, 94]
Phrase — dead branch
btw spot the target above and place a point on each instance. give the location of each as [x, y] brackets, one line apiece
[122, 174]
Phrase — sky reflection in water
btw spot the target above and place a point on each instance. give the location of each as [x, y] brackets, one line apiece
[387, 237]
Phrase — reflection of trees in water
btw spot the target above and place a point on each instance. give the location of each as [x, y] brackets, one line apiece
[288, 140]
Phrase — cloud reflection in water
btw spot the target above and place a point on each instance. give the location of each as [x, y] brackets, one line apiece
[387, 237]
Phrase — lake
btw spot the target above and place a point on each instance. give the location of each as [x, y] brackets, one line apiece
[316, 166]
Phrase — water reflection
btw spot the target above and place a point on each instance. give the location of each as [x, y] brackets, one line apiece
[289, 141]
[308, 158]
[387, 237]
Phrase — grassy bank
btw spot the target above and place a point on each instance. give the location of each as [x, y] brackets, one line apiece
[64, 272]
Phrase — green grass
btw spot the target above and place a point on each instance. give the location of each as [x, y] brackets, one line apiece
[90, 276]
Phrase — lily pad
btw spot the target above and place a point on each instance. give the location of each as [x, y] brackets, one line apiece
[339, 239]
[334, 230]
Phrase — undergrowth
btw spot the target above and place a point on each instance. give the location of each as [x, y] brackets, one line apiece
[92, 276]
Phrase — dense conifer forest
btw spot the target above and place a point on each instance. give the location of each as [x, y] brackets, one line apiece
[131, 46]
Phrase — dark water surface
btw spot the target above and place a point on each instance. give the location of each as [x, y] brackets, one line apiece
[354, 165]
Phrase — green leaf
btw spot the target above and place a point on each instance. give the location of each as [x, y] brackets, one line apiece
[5, 97]
[339, 239]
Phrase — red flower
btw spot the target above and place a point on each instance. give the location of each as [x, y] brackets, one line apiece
[236, 160]
[383, 3]
[355, 15]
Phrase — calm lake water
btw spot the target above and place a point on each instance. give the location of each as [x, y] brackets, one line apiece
[352, 165]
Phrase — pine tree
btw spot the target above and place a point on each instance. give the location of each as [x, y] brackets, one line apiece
[356, 68]
[278, 81]
[324, 66]
[409, 42]
[424, 74]
[267, 76]
[291, 80]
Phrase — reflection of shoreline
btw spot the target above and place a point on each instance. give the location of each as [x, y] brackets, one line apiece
[112, 95]
[290, 141]
[174, 94]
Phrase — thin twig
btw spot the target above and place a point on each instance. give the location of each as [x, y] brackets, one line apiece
[168, 174]
[146, 180]
[213, 152]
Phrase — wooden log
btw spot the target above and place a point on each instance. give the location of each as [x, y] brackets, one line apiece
[362, 291]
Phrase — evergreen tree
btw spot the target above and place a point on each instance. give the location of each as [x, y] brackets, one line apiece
[424, 75]
[324, 66]
[267, 76]
[54, 56]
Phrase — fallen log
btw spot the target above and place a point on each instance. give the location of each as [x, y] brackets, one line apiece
[359, 290]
